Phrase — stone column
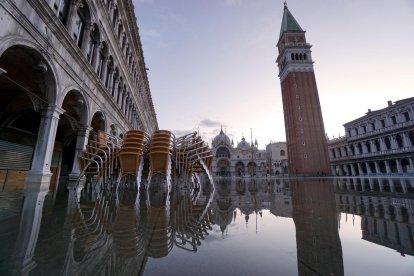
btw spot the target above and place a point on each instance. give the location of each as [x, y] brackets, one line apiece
[73, 9]
[95, 57]
[349, 150]
[406, 140]
[394, 144]
[372, 145]
[360, 171]
[387, 166]
[368, 168]
[364, 148]
[410, 159]
[81, 141]
[86, 37]
[42, 156]
[115, 89]
[377, 167]
[102, 74]
[399, 166]
[353, 169]
[383, 146]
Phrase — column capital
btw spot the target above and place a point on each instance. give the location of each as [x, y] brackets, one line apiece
[53, 110]
[77, 3]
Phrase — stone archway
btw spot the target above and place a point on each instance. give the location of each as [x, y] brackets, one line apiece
[251, 168]
[71, 136]
[239, 169]
[98, 122]
[28, 114]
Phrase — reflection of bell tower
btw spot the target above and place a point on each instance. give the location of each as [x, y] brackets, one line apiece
[319, 249]
[305, 133]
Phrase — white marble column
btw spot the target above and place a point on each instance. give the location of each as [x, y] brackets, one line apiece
[42, 156]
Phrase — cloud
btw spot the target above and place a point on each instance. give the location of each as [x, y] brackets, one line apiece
[210, 123]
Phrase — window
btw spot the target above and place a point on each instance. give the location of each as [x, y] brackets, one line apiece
[91, 48]
[406, 116]
[61, 8]
[382, 121]
[282, 153]
[78, 29]
[394, 120]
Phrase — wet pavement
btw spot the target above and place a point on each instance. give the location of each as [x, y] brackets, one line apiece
[333, 226]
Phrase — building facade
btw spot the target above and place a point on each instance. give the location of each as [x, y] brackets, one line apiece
[380, 142]
[68, 67]
[279, 159]
[305, 133]
[243, 160]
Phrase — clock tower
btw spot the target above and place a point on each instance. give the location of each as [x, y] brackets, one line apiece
[305, 133]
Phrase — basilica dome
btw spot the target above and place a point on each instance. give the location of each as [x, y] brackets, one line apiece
[243, 145]
[221, 138]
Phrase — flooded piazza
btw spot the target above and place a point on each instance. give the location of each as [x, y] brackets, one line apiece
[225, 226]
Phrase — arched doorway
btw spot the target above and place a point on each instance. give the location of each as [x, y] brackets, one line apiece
[223, 167]
[240, 169]
[27, 93]
[251, 168]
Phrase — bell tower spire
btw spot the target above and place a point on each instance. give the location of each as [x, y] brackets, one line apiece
[305, 133]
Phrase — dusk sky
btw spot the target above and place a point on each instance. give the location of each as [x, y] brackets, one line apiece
[212, 62]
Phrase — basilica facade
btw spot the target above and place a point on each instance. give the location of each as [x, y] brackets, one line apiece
[67, 68]
[241, 161]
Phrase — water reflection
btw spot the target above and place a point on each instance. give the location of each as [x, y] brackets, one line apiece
[123, 232]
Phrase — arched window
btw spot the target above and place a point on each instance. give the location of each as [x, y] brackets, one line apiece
[387, 143]
[114, 79]
[292, 56]
[109, 71]
[296, 56]
[61, 8]
[94, 38]
[282, 153]
[399, 140]
[103, 53]
[115, 17]
[305, 56]
[82, 17]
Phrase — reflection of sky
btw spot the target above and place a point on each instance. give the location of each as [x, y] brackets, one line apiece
[272, 251]
[362, 257]
[212, 62]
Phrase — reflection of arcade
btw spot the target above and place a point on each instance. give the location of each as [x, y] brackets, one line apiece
[319, 249]
[386, 209]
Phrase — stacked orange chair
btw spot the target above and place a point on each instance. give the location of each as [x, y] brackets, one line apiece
[160, 151]
[132, 151]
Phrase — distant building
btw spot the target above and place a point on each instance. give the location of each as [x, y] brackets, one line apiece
[279, 158]
[243, 160]
[380, 142]
[305, 133]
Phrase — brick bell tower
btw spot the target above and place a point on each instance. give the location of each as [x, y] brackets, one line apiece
[305, 132]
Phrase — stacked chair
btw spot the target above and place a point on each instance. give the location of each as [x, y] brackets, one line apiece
[131, 155]
[98, 160]
[161, 151]
[192, 155]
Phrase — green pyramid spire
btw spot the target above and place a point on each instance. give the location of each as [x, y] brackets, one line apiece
[289, 23]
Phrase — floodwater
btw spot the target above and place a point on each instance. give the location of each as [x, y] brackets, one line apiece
[333, 226]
